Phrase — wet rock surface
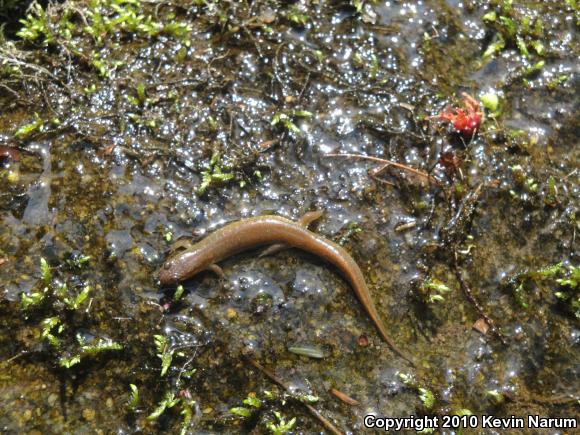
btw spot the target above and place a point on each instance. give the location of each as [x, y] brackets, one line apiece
[139, 124]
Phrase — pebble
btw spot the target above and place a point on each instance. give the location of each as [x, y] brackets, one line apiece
[26, 415]
[89, 414]
[231, 313]
[52, 398]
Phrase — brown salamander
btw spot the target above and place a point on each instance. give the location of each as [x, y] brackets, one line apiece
[265, 230]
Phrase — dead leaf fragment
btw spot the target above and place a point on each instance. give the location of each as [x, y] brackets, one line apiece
[481, 326]
[343, 397]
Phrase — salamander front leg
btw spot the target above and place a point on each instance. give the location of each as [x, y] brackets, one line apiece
[310, 217]
[179, 246]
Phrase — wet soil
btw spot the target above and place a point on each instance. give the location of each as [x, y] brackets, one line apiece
[128, 125]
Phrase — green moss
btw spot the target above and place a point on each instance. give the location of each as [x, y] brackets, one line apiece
[36, 26]
[134, 398]
[514, 28]
[103, 20]
[76, 302]
[118, 89]
[187, 414]
[169, 401]
[432, 290]
[163, 353]
[178, 293]
[48, 325]
[297, 15]
[252, 401]
[425, 394]
[28, 300]
[215, 174]
[287, 118]
[27, 129]
[427, 398]
[280, 426]
[240, 411]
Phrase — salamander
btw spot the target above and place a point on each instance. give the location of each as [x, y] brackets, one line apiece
[267, 230]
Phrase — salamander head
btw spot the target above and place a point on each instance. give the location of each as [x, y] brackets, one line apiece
[167, 274]
[180, 267]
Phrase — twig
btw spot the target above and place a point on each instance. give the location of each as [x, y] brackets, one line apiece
[9, 89]
[469, 295]
[7, 57]
[266, 145]
[15, 357]
[209, 64]
[326, 423]
[387, 163]
[373, 173]
[277, 69]
[306, 83]
[457, 225]
[526, 396]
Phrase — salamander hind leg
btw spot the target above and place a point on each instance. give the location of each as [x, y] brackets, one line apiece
[217, 270]
[304, 221]
[273, 249]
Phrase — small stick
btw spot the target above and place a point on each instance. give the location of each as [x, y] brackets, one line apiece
[326, 423]
[387, 163]
[15, 357]
[561, 399]
[469, 295]
[266, 145]
[405, 226]
[373, 173]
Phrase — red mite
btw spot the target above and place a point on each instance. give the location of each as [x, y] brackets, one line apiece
[465, 120]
